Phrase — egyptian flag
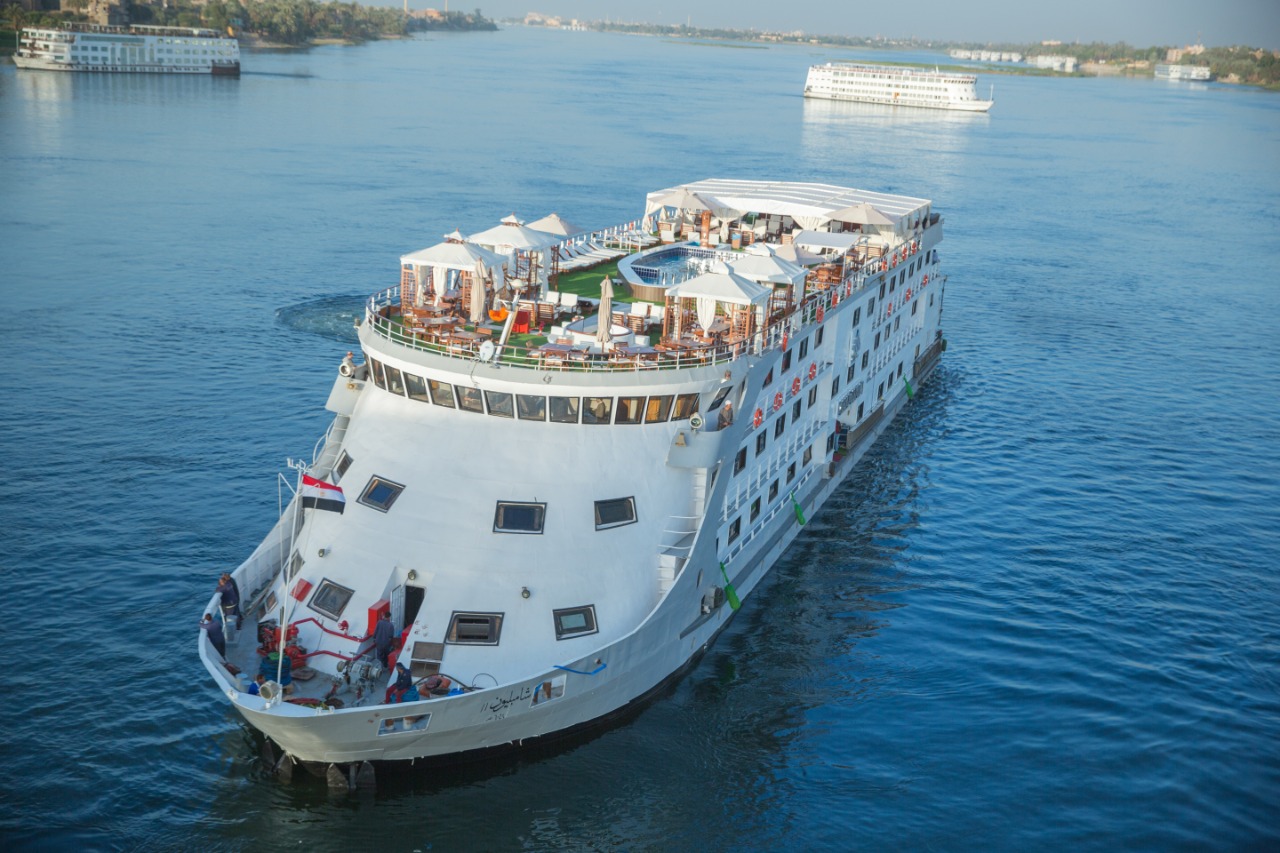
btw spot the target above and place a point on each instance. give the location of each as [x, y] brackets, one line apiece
[317, 494]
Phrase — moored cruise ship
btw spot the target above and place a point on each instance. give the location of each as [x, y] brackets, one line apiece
[555, 500]
[136, 49]
[1183, 72]
[894, 86]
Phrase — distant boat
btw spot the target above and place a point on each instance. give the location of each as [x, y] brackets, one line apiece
[136, 49]
[895, 86]
[1183, 72]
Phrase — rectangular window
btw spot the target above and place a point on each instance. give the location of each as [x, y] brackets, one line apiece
[755, 509]
[849, 375]
[791, 472]
[768, 378]
[718, 399]
[380, 494]
[871, 306]
[375, 368]
[795, 412]
[531, 408]
[897, 322]
[469, 399]
[564, 410]
[866, 359]
[786, 361]
[899, 370]
[860, 408]
[740, 461]
[818, 336]
[779, 425]
[657, 410]
[519, 517]
[394, 383]
[629, 411]
[615, 513]
[915, 303]
[882, 286]
[761, 441]
[804, 348]
[441, 393]
[808, 455]
[880, 393]
[686, 405]
[597, 410]
[417, 387]
[773, 491]
[344, 462]
[330, 599]
[575, 621]
[474, 629]
[735, 529]
[876, 345]
[813, 396]
[857, 316]
[835, 387]
[500, 404]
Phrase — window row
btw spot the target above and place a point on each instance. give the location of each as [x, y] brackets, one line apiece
[531, 407]
[529, 517]
[485, 629]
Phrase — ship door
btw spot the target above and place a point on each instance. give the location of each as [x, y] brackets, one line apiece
[413, 597]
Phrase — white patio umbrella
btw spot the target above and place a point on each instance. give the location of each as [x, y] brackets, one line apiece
[604, 318]
[862, 213]
[554, 223]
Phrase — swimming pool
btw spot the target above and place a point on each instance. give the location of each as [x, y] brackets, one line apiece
[652, 272]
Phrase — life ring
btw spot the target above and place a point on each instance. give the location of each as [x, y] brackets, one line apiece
[925, 281]
[908, 293]
[888, 308]
[758, 418]
[795, 385]
[777, 401]
[813, 370]
[784, 340]
[820, 314]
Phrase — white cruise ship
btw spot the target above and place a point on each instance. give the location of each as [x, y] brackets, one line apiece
[895, 86]
[559, 499]
[1183, 72]
[146, 49]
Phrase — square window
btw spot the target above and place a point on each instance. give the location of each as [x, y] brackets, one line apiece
[344, 462]
[761, 441]
[657, 410]
[686, 405]
[441, 393]
[597, 410]
[417, 387]
[629, 411]
[500, 405]
[469, 399]
[575, 621]
[564, 410]
[531, 408]
[735, 529]
[474, 629]
[615, 513]
[395, 384]
[330, 599]
[779, 425]
[740, 461]
[380, 494]
[519, 517]
[755, 509]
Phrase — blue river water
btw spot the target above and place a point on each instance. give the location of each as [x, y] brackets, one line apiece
[1044, 612]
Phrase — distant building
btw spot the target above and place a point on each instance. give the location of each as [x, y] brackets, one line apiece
[1174, 54]
[1054, 62]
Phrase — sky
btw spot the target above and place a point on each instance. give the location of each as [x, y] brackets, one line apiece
[1141, 23]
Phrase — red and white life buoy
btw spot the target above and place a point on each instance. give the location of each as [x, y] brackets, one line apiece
[888, 308]
[813, 370]
[758, 418]
[925, 281]
[777, 401]
[795, 385]
[784, 340]
[820, 314]
[908, 293]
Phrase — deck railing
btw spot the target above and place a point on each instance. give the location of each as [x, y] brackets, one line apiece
[381, 306]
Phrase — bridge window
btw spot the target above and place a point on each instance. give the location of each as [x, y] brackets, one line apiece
[474, 629]
[575, 621]
[330, 599]
[615, 513]
[519, 517]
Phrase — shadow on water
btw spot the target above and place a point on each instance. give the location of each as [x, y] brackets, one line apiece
[295, 75]
[332, 318]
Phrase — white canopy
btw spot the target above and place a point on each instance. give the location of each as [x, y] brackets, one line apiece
[862, 214]
[796, 254]
[810, 205]
[764, 266]
[827, 240]
[722, 285]
[454, 255]
[510, 236]
[554, 223]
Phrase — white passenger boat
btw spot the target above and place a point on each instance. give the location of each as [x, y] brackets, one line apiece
[1183, 72]
[136, 49]
[895, 86]
[557, 528]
